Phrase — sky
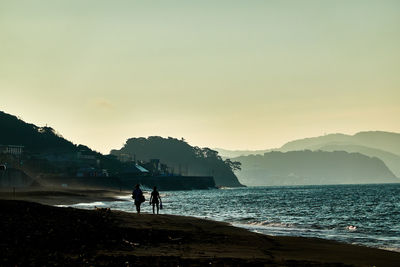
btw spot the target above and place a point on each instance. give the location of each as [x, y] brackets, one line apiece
[228, 74]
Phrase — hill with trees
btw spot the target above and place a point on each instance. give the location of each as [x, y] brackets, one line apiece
[312, 167]
[46, 152]
[35, 139]
[182, 158]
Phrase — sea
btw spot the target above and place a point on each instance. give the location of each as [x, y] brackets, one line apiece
[367, 215]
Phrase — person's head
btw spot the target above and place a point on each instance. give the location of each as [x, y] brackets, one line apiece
[137, 186]
[155, 188]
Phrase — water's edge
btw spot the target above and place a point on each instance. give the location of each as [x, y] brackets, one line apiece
[367, 215]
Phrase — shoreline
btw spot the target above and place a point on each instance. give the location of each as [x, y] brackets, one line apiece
[238, 225]
[102, 237]
[60, 197]
[64, 198]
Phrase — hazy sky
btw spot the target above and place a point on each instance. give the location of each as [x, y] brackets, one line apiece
[231, 74]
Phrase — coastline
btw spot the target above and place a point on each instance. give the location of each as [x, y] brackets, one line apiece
[106, 237]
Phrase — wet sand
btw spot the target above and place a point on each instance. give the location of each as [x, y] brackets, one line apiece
[59, 196]
[35, 234]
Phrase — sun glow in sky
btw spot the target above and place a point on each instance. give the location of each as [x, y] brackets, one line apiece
[231, 74]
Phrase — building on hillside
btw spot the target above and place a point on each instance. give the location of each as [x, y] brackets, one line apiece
[155, 167]
[155, 163]
[91, 172]
[125, 158]
[57, 157]
[88, 157]
[135, 170]
[14, 150]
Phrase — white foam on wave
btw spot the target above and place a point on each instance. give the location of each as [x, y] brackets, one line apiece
[90, 204]
[390, 249]
[272, 224]
[351, 228]
[227, 188]
[284, 225]
[124, 197]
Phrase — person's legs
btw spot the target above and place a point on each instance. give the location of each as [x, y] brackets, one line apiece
[137, 207]
[158, 207]
[153, 207]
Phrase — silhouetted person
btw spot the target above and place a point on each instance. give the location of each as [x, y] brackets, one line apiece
[155, 199]
[137, 194]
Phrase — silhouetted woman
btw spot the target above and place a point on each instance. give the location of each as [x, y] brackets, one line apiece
[137, 194]
[155, 199]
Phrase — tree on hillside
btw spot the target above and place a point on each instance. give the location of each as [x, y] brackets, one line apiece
[233, 165]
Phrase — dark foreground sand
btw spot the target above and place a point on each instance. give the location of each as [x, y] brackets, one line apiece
[36, 235]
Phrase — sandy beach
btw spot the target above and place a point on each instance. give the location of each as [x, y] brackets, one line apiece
[59, 196]
[36, 234]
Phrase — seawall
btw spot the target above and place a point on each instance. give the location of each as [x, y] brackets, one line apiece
[170, 182]
[128, 182]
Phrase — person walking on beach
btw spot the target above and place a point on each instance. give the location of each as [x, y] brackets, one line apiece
[155, 199]
[137, 195]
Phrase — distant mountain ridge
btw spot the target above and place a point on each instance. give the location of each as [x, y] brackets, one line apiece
[391, 160]
[312, 167]
[226, 153]
[386, 141]
[383, 145]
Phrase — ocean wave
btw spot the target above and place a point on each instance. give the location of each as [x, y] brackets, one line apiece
[330, 212]
[272, 224]
[126, 197]
[90, 204]
[391, 249]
